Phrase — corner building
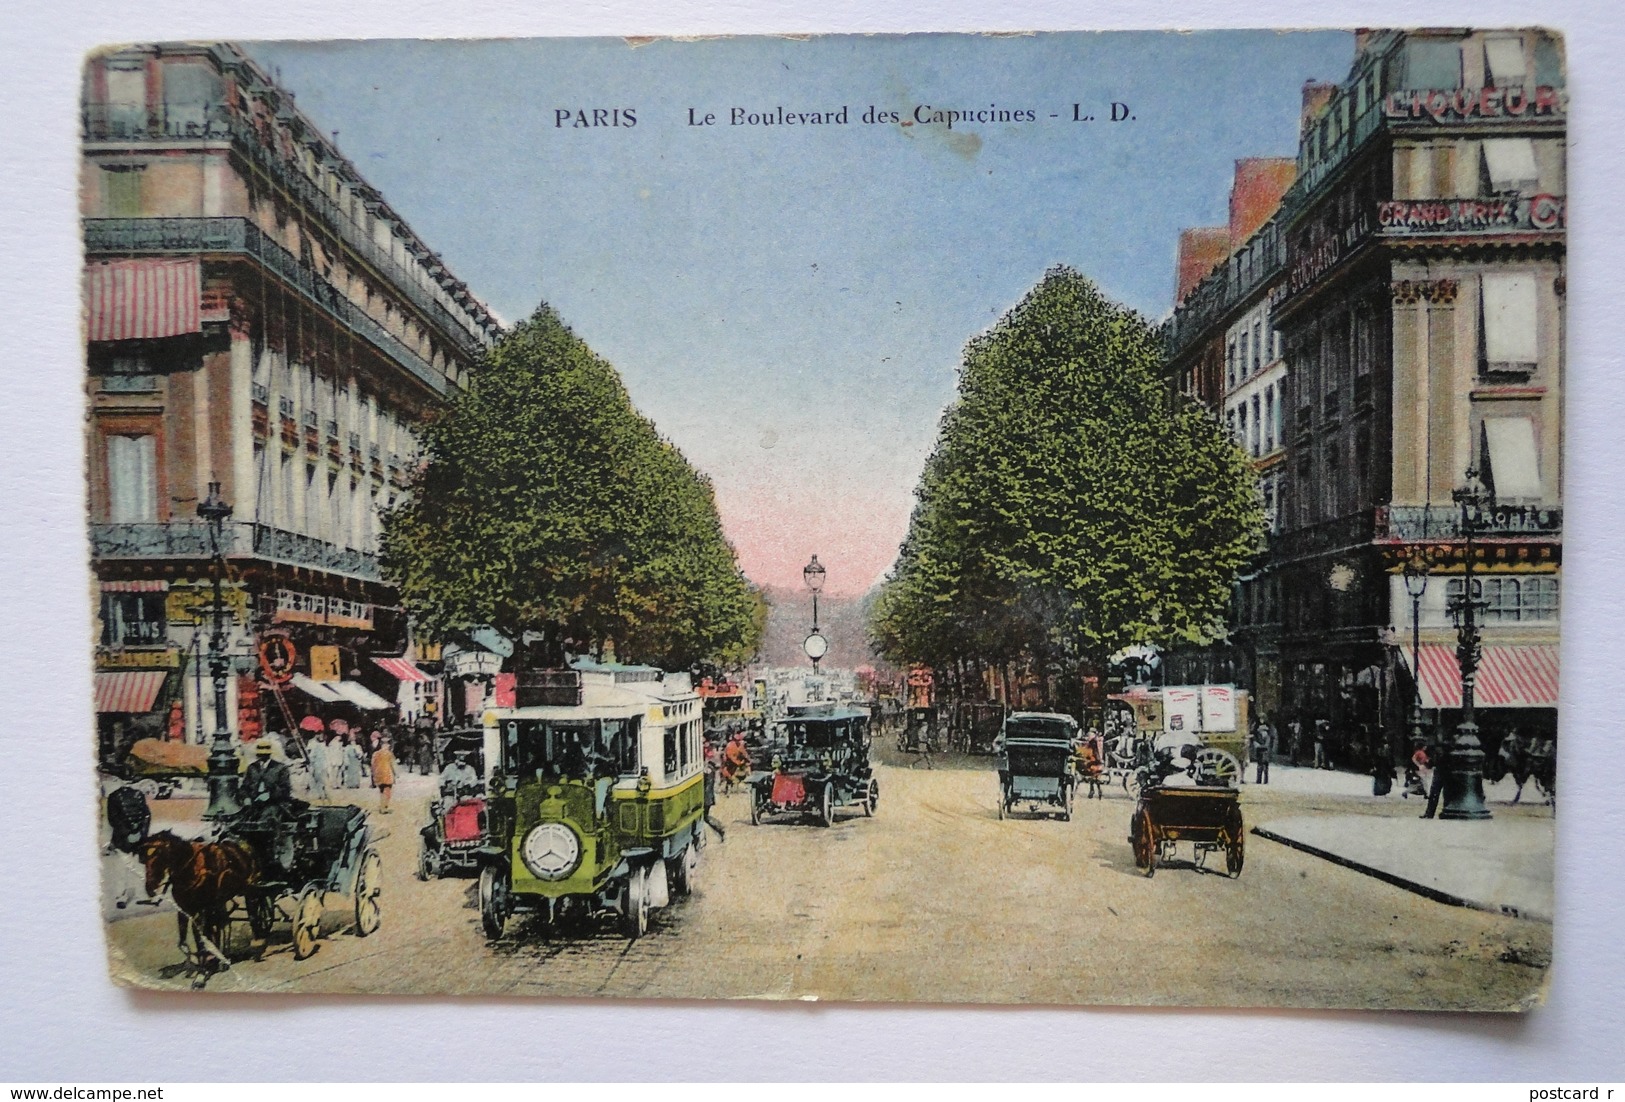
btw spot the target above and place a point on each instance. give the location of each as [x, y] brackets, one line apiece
[1419, 302]
[256, 315]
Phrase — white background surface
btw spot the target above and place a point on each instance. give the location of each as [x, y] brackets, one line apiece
[62, 1021]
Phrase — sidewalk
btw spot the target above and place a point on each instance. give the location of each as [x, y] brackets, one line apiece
[1302, 780]
[1503, 865]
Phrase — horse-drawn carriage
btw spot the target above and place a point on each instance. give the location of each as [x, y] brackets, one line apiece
[311, 869]
[919, 733]
[1201, 808]
[974, 727]
[318, 871]
[1037, 762]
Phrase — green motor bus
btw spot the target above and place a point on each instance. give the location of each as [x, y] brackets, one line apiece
[597, 797]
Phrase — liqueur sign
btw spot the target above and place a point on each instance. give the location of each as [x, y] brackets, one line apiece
[1425, 216]
[1448, 105]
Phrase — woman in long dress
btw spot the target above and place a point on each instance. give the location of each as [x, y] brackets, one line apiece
[350, 764]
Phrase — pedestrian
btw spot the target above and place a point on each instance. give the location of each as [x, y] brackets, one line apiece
[1263, 748]
[1382, 775]
[1294, 741]
[383, 772]
[1321, 726]
[711, 765]
[316, 763]
[1441, 766]
[350, 763]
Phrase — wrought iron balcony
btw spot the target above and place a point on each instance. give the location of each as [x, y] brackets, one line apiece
[238, 540]
[239, 235]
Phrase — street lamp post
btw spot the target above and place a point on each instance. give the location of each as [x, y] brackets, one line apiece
[815, 645]
[1416, 584]
[1464, 780]
[222, 757]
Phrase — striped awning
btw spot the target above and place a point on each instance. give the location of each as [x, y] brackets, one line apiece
[144, 299]
[401, 670]
[128, 690]
[135, 587]
[1515, 676]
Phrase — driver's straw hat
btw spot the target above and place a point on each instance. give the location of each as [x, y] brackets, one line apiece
[263, 746]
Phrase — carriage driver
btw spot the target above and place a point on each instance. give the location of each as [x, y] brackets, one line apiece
[266, 780]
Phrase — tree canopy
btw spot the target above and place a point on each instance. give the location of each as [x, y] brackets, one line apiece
[1071, 507]
[547, 503]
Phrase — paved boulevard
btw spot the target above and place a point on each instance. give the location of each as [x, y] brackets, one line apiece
[932, 900]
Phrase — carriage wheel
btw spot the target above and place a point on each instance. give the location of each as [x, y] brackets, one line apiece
[1066, 804]
[307, 922]
[1214, 766]
[1004, 801]
[635, 905]
[369, 882]
[493, 901]
[871, 798]
[1235, 851]
[826, 806]
[1145, 843]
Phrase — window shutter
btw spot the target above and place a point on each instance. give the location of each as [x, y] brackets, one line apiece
[1508, 303]
[1509, 163]
[1513, 462]
[1504, 62]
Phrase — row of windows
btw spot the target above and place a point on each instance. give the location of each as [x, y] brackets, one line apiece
[1509, 600]
[1256, 423]
[1249, 353]
[682, 748]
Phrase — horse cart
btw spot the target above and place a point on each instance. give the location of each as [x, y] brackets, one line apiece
[319, 872]
[1208, 817]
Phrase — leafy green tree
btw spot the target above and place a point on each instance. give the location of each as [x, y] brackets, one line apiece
[546, 503]
[1069, 509]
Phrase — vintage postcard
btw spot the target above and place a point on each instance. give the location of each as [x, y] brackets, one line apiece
[1055, 518]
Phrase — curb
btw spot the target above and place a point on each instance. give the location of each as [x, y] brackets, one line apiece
[1427, 891]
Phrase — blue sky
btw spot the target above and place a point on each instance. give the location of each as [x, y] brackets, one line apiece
[789, 304]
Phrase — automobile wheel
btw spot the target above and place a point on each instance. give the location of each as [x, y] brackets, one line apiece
[369, 882]
[680, 873]
[758, 807]
[1066, 804]
[493, 901]
[1004, 801]
[871, 799]
[426, 862]
[635, 909]
[826, 805]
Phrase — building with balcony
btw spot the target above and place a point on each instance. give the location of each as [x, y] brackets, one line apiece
[255, 315]
[1418, 294]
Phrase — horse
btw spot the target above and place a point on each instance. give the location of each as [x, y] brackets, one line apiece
[1525, 761]
[203, 878]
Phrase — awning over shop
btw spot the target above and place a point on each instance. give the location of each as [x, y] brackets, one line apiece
[140, 586]
[144, 299]
[128, 690]
[361, 696]
[1519, 676]
[401, 670]
[321, 690]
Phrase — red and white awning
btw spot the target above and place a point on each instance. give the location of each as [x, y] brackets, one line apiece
[401, 670]
[1517, 676]
[144, 299]
[128, 690]
[139, 586]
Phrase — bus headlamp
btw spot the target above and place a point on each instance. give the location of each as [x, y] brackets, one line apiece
[645, 785]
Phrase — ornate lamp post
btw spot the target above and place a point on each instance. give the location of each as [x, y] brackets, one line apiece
[222, 756]
[815, 644]
[1464, 779]
[1415, 572]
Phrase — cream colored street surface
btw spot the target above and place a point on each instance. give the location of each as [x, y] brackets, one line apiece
[935, 899]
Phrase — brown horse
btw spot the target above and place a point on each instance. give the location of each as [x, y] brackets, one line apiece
[203, 878]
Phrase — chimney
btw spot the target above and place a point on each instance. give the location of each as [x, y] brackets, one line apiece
[1316, 95]
[1200, 251]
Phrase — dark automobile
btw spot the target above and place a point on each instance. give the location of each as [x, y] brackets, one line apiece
[821, 764]
[1037, 761]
